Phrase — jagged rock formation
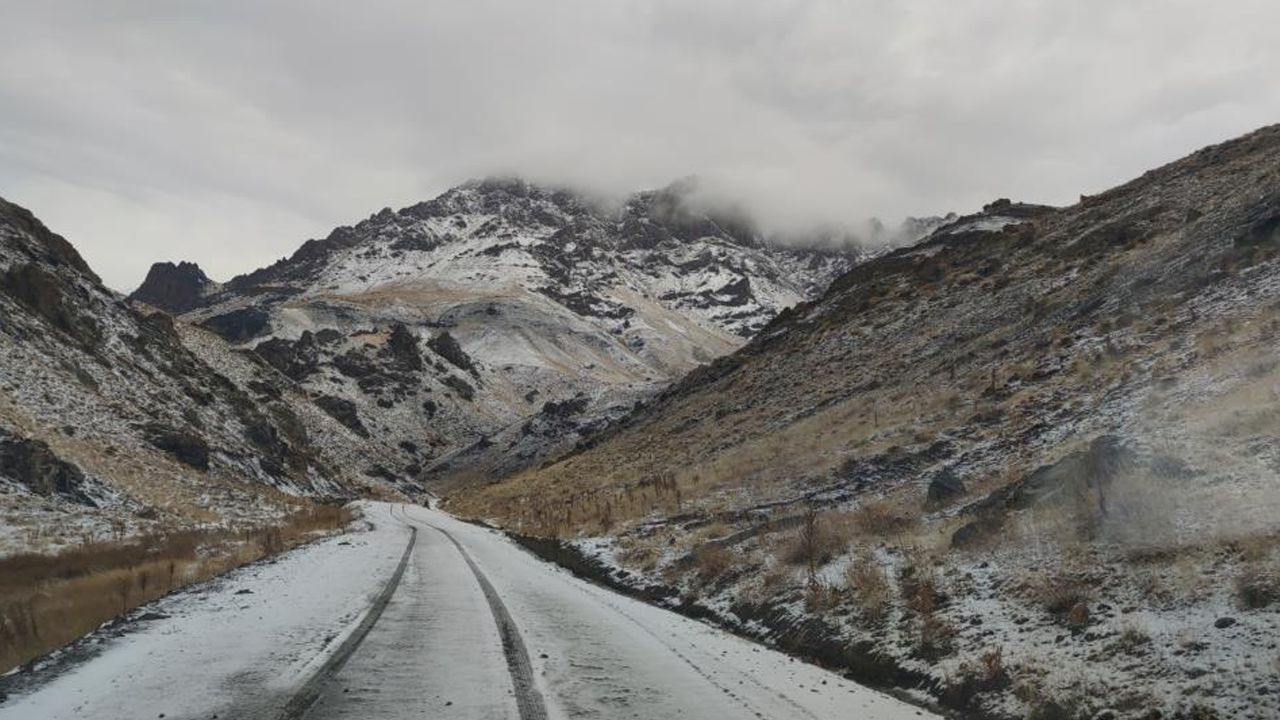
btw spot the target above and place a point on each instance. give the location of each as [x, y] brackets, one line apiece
[448, 325]
[174, 288]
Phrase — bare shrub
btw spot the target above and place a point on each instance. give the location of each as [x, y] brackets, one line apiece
[1133, 640]
[822, 597]
[992, 664]
[869, 586]
[821, 538]
[937, 638]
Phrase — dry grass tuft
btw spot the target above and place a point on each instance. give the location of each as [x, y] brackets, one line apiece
[1065, 598]
[712, 562]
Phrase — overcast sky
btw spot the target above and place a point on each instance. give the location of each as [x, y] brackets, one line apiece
[229, 132]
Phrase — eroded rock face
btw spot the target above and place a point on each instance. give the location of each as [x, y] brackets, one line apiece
[344, 411]
[239, 325]
[33, 464]
[183, 445]
[174, 288]
[448, 348]
[46, 295]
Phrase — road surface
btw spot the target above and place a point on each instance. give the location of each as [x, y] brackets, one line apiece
[428, 617]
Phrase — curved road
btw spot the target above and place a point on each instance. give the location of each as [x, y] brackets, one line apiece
[478, 628]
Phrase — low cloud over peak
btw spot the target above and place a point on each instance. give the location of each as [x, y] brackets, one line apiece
[228, 133]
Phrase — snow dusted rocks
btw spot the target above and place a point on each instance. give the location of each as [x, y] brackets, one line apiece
[105, 413]
[174, 288]
[447, 326]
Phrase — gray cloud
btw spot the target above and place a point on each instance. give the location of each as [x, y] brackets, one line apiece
[229, 132]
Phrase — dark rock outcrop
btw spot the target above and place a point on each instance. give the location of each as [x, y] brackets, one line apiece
[33, 464]
[344, 411]
[448, 348]
[238, 325]
[402, 348]
[173, 288]
[182, 445]
[54, 249]
[46, 294]
[296, 360]
[943, 488]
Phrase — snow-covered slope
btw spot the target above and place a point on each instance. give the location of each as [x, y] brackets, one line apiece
[1041, 448]
[486, 329]
[109, 423]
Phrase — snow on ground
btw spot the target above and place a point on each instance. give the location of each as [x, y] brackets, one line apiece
[597, 654]
[251, 636]
[243, 646]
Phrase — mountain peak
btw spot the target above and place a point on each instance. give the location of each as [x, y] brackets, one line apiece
[174, 288]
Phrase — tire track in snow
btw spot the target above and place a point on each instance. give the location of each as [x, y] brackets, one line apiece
[606, 598]
[528, 700]
[307, 695]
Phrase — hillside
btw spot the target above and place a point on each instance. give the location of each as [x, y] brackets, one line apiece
[483, 331]
[1041, 438]
[110, 426]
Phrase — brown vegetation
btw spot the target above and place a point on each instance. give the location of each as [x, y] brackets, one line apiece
[46, 601]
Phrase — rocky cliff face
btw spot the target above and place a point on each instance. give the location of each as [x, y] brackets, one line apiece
[1040, 439]
[174, 288]
[107, 418]
[444, 330]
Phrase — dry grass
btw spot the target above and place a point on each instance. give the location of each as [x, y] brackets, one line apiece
[1064, 597]
[821, 538]
[869, 586]
[711, 562]
[47, 601]
[882, 519]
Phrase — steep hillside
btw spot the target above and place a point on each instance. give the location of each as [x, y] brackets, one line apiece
[480, 332]
[110, 426]
[1039, 441]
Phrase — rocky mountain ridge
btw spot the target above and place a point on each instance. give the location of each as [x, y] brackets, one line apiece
[491, 327]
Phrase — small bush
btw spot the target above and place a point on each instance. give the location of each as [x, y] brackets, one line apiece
[821, 597]
[880, 519]
[1066, 599]
[821, 538]
[1256, 589]
[937, 638]
[869, 586]
[1133, 640]
[992, 664]
[712, 561]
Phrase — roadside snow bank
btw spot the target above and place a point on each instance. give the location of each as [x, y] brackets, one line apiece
[221, 644]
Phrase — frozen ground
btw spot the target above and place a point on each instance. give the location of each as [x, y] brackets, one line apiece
[476, 628]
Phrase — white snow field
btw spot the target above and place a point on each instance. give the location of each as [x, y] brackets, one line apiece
[475, 628]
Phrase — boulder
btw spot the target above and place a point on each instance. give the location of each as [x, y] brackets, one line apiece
[182, 445]
[33, 464]
[943, 488]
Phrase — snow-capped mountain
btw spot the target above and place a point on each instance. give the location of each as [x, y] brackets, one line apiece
[460, 329]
